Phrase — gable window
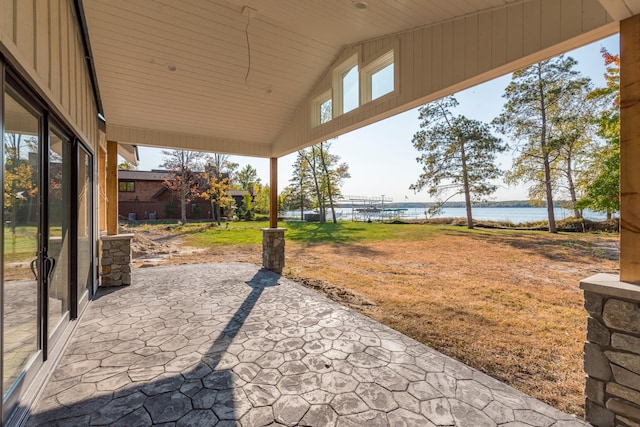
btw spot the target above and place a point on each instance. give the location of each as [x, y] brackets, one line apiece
[127, 186]
[350, 92]
[326, 112]
[346, 87]
[379, 77]
[322, 109]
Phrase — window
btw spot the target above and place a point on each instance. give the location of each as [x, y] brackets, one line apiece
[322, 109]
[127, 186]
[382, 82]
[350, 92]
[379, 77]
[326, 112]
[346, 87]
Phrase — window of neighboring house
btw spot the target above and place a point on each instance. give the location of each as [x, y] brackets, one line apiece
[127, 186]
[379, 77]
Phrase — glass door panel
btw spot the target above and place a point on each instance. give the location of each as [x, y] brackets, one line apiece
[85, 224]
[21, 263]
[58, 226]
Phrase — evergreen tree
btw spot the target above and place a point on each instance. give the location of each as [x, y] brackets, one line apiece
[530, 117]
[458, 155]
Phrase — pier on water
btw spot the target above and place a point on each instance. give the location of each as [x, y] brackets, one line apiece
[365, 208]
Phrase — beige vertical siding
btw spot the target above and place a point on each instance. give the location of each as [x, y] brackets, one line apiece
[44, 38]
[453, 55]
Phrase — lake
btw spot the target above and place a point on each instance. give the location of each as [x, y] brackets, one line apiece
[514, 215]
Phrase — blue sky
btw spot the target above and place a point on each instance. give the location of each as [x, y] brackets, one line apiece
[381, 158]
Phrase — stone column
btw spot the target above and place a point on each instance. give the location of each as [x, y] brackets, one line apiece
[612, 351]
[115, 262]
[273, 193]
[273, 249]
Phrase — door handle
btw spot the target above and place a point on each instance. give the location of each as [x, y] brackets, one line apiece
[49, 266]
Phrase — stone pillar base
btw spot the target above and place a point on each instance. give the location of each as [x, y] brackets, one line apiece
[273, 249]
[612, 351]
[115, 260]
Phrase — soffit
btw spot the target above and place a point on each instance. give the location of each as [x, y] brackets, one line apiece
[225, 88]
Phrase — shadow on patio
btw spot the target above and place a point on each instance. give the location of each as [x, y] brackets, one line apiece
[230, 344]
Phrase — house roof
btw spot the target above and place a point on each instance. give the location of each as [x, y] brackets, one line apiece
[241, 76]
[135, 175]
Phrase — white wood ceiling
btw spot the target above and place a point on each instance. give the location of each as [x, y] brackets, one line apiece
[224, 86]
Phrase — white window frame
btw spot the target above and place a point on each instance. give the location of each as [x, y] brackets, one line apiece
[338, 89]
[316, 118]
[367, 72]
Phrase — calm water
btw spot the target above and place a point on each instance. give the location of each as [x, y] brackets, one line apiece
[514, 215]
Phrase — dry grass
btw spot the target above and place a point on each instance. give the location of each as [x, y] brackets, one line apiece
[504, 302]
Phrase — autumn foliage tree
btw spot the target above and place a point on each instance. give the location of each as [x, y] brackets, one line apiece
[183, 181]
[603, 191]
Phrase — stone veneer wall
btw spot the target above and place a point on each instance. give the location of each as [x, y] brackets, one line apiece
[115, 260]
[273, 249]
[612, 351]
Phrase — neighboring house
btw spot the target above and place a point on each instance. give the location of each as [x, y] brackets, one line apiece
[143, 195]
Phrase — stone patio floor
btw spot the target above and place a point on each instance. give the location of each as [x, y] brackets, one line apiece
[231, 345]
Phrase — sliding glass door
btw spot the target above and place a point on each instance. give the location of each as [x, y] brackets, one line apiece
[59, 237]
[22, 256]
[47, 238]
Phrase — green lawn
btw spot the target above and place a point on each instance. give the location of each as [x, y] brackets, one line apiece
[204, 235]
[20, 246]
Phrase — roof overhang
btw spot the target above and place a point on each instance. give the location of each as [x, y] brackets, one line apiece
[241, 76]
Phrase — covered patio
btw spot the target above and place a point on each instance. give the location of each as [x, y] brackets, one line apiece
[265, 78]
[233, 344]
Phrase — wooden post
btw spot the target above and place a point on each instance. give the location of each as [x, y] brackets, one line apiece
[630, 150]
[112, 188]
[102, 188]
[273, 193]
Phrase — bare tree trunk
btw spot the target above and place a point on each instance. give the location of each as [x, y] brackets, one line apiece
[316, 184]
[465, 183]
[328, 179]
[301, 199]
[183, 207]
[572, 189]
[545, 154]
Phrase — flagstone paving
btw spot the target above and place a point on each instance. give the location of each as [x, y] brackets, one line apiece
[234, 345]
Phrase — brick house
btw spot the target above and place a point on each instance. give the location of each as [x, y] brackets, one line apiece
[142, 195]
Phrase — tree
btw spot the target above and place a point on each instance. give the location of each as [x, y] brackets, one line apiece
[183, 181]
[20, 180]
[248, 178]
[324, 175]
[126, 166]
[300, 185]
[530, 115]
[458, 155]
[220, 177]
[603, 192]
[574, 138]
[216, 190]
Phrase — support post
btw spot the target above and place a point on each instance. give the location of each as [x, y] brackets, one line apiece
[112, 188]
[102, 188]
[273, 193]
[630, 150]
[273, 237]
